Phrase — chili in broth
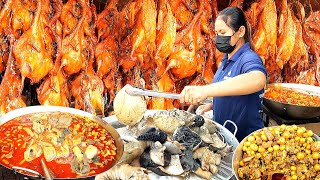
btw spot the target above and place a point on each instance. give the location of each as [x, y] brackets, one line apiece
[17, 135]
[290, 96]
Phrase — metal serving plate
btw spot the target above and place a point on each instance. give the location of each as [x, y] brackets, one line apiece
[291, 111]
[225, 168]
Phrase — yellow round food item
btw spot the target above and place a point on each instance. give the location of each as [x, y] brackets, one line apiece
[294, 127]
[254, 147]
[282, 140]
[128, 109]
[315, 155]
[251, 138]
[302, 140]
[300, 132]
[244, 148]
[300, 155]
[247, 143]
[276, 147]
[308, 151]
[241, 163]
[261, 149]
[264, 137]
[309, 133]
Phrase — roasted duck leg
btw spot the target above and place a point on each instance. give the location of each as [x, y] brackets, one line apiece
[266, 35]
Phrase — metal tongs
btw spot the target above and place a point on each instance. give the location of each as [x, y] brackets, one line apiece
[143, 92]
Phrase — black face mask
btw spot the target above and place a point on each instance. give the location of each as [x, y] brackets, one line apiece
[223, 44]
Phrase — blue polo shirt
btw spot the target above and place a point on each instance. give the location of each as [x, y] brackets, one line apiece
[243, 110]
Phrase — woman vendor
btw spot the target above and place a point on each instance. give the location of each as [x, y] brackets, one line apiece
[238, 84]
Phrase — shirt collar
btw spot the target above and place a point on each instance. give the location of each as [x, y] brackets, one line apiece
[236, 55]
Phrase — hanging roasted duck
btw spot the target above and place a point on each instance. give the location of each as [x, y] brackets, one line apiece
[77, 19]
[311, 37]
[87, 88]
[54, 89]
[286, 35]
[181, 13]
[11, 86]
[33, 51]
[144, 33]
[182, 62]
[23, 15]
[4, 41]
[300, 53]
[107, 21]
[166, 34]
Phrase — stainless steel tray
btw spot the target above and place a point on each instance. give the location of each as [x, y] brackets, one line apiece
[225, 168]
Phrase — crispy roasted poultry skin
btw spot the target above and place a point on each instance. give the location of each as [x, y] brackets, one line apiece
[181, 13]
[54, 91]
[4, 41]
[286, 35]
[107, 21]
[22, 16]
[77, 35]
[166, 33]
[33, 50]
[267, 31]
[11, 87]
[300, 53]
[87, 88]
[144, 33]
[182, 62]
[311, 37]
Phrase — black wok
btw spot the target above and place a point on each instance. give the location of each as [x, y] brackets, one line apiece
[291, 111]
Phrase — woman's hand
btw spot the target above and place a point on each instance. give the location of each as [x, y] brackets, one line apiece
[203, 108]
[193, 94]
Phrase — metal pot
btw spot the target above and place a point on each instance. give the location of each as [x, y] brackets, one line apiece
[40, 109]
[237, 156]
[225, 168]
[291, 111]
